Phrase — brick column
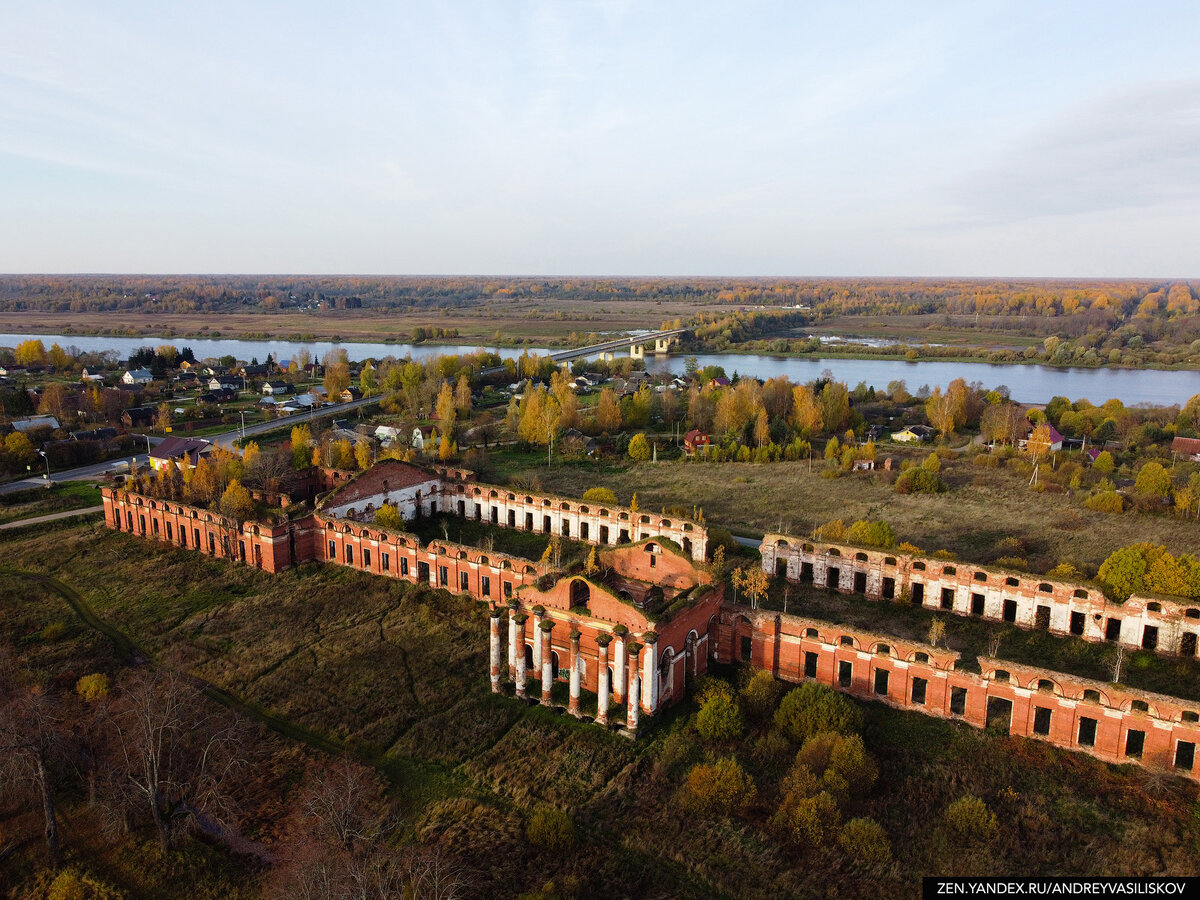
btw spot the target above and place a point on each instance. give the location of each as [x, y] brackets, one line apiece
[538, 612]
[519, 652]
[618, 659]
[650, 676]
[573, 705]
[494, 648]
[547, 663]
[635, 689]
[513, 606]
[602, 686]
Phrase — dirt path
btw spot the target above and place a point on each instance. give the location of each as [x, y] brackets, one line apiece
[65, 514]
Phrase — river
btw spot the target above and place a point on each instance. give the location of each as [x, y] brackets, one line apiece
[1028, 383]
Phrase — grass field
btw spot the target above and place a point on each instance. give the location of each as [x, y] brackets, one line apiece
[982, 508]
[397, 673]
[39, 501]
[534, 322]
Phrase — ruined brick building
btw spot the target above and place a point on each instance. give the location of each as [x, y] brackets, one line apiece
[621, 639]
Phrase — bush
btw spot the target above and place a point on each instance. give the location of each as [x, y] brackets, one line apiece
[761, 694]
[719, 719]
[722, 788]
[91, 688]
[919, 481]
[812, 820]
[600, 495]
[71, 884]
[840, 761]
[813, 708]
[865, 841]
[551, 829]
[53, 631]
[970, 819]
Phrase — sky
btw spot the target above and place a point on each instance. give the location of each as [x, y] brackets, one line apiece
[601, 138]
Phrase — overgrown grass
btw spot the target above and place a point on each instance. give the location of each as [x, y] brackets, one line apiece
[40, 501]
[398, 672]
[983, 507]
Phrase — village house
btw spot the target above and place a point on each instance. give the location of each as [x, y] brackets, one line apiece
[1186, 448]
[696, 441]
[913, 434]
[180, 451]
[137, 377]
[276, 388]
[139, 416]
[226, 382]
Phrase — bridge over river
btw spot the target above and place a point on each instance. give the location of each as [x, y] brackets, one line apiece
[662, 341]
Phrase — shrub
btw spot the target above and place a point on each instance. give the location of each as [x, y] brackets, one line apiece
[864, 840]
[719, 719]
[1153, 481]
[53, 631]
[871, 534]
[932, 463]
[91, 688]
[600, 495]
[71, 884]
[761, 694]
[721, 788]
[813, 708]
[1104, 463]
[1105, 501]
[551, 829]
[919, 481]
[841, 762]
[970, 819]
[812, 820]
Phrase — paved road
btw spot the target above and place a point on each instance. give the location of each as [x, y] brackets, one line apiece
[226, 439]
[21, 523]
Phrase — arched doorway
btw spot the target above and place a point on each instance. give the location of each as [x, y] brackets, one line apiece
[580, 594]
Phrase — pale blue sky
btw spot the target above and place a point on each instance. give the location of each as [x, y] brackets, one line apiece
[630, 138]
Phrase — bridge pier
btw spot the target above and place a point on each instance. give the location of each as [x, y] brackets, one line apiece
[637, 351]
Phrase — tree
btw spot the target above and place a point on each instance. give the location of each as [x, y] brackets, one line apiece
[1039, 443]
[33, 730]
[944, 411]
[813, 708]
[600, 495]
[30, 353]
[832, 448]
[462, 395]
[1104, 463]
[937, 633]
[835, 406]
[301, 447]
[366, 380]
[762, 429]
[388, 517]
[53, 401]
[162, 422]
[362, 455]
[719, 718]
[337, 379]
[236, 502]
[639, 448]
[760, 694]
[19, 450]
[177, 753]
[1153, 481]
[755, 583]
[608, 412]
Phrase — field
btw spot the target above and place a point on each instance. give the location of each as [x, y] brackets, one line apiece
[983, 507]
[537, 323]
[39, 501]
[333, 658]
